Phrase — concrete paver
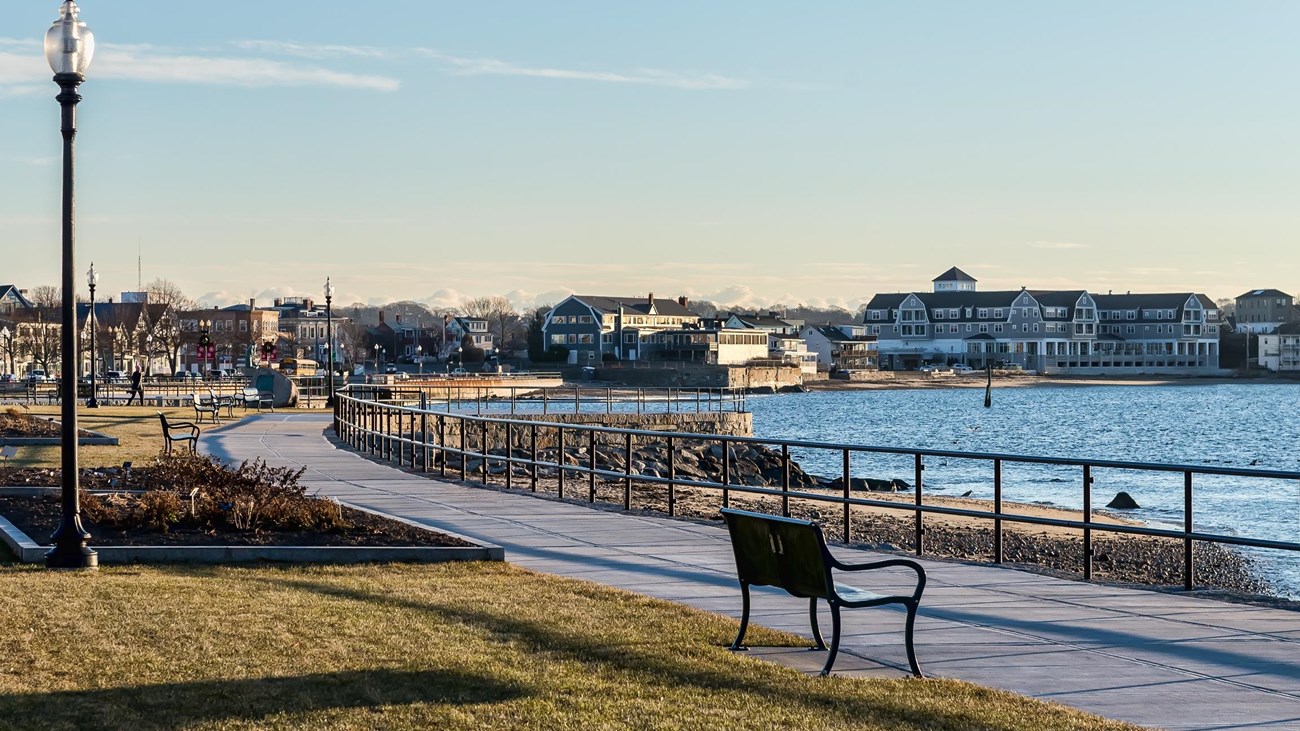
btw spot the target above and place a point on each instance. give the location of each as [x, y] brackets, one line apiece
[1176, 662]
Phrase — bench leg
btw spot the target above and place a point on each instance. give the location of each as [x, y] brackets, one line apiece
[911, 651]
[816, 631]
[835, 639]
[744, 618]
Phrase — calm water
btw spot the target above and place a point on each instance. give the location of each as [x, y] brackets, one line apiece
[1233, 425]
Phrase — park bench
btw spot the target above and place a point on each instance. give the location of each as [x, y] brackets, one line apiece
[206, 405]
[223, 402]
[792, 555]
[178, 431]
[254, 397]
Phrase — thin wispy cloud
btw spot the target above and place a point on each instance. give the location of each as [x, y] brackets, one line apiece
[1056, 245]
[479, 66]
[22, 68]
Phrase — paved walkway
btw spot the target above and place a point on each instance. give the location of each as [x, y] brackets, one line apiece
[1155, 659]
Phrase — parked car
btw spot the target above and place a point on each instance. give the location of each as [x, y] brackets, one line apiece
[962, 368]
[187, 376]
[390, 368]
[7, 378]
[928, 369]
[459, 372]
[115, 376]
[37, 376]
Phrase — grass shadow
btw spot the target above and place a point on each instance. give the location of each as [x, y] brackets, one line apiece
[173, 705]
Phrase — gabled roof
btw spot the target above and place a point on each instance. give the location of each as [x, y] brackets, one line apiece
[954, 275]
[667, 307]
[122, 315]
[1263, 293]
[9, 290]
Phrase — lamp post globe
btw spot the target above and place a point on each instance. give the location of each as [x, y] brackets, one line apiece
[69, 46]
[92, 279]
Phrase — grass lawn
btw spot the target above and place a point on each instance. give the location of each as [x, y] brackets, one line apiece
[463, 646]
[136, 427]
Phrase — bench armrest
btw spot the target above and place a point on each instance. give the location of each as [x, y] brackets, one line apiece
[183, 425]
[887, 563]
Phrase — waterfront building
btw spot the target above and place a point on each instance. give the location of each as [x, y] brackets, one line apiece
[250, 325]
[838, 348]
[1049, 331]
[592, 327]
[708, 346]
[1264, 311]
[1279, 351]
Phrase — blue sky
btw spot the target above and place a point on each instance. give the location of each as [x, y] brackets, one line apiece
[746, 152]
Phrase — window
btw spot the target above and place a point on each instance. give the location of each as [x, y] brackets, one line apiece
[983, 313]
[1035, 327]
[968, 327]
[968, 311]
[997, 328]
[997, 314]
[573, 339]
[585, 338]
[585, 319]
[1132, 315]
[954, 313]
[984, 328]
[243, 326]
[1129, 329]
[557, 339]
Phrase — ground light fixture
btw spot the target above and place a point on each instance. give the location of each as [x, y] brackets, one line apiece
[69, 46]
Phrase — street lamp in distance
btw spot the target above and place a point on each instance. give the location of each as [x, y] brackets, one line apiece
[92, 279]
[419, 350]
[69, 46]
[329, 343]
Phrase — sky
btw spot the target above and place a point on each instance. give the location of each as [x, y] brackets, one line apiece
[745, 152]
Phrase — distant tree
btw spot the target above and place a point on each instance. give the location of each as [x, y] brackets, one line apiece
[534, 320]
[703, 308]
[498, 311]
[167, 336]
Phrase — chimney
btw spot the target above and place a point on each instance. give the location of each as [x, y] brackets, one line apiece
[651, 298]
[279, 302]
[252, 303]
[683, 301]
[381, 317]
[398, 319]
[773, 314]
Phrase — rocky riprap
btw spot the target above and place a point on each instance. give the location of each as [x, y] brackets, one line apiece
[1118, 558]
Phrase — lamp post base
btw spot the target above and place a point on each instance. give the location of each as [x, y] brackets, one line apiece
[70, 550]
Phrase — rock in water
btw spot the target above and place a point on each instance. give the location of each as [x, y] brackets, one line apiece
[1123, 501]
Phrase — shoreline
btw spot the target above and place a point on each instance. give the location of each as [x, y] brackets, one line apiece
[977, 380]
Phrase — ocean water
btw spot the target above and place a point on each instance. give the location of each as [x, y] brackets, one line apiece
[1237, 425]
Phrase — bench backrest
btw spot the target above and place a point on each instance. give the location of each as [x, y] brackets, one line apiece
[783, 552]
[163, 416]
[250, 392]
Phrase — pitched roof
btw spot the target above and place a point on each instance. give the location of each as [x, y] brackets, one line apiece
[954, 275]
[669, 307]
[7, 290]
[758, 320]
[1263, 293]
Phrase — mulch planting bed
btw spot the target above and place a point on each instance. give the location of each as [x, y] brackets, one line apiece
[15, 424]
[38, 516]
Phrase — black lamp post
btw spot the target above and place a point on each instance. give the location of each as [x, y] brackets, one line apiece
[92, 278]
[69, 45]
[329, 343]
[9, 349]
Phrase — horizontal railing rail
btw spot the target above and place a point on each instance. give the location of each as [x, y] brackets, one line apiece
[413, 433]
[508, 399]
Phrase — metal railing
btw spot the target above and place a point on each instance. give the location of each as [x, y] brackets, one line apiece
[424, 438]
[515, 400]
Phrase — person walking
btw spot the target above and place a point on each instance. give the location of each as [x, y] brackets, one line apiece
[136, 388]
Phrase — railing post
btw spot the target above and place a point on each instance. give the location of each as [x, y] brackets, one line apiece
[997, 508]
[546, 400]
[483, 442]
[920, 523]
[1189, 567]
[464, 453]
[848, 527]
[510, 467]
[442, 445]
[559, 458]
[1087, 521]
[424, 439]
[785, 480]
[388, 433]
[609, 400]
[627, 471]
[726, 473]
[576, 400]
[672, 480]
[591, 466]
[532, 455]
